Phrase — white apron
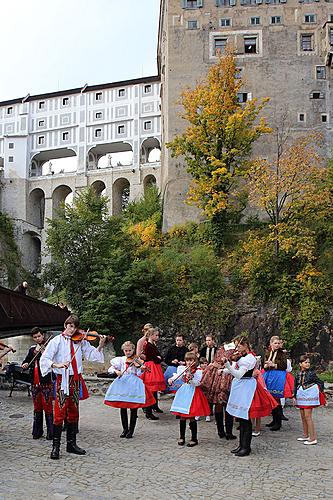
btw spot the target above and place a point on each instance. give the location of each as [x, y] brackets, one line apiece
[308, 397]
[241, 396]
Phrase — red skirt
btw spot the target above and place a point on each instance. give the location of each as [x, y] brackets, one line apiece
[289, 386]
[262, 403]
[150, 401]
[322, 402]
[154, 379]
[199, 406]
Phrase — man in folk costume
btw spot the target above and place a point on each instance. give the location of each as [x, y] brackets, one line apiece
[64, 357]
[41, 387]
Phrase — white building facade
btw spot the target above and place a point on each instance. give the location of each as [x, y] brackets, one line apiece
[90, 124]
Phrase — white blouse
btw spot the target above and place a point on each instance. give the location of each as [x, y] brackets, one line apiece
[119, 363]
[195, 381]
[243, 365]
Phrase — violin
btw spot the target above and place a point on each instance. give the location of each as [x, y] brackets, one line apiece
[5, 346]
[89, 335]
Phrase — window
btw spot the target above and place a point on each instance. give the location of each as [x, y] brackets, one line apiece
[65, 136]
[250, 45]
[244, 97]
[147, 89]
[331, 36]
[225, 3]
[121, 129]
[98, 132]
[301, 117]
[41, 140]
[10, 159]
[192, 25]
[320, 72]
[330, 18]
[248, 2]
[147, 125]
[225, 22]
[10, 110]
[41, 123]
[254, 20]
[41, 105]
[324, 118]
[65, 101]
[98, 96]
[10, 145]
[191, 4]
[316, 95]
[98, 115]
[121, 93]
[220, 45]
[310, 18]
[276, 20]
[306, 42]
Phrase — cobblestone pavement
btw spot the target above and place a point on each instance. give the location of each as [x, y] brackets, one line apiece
[152, 466]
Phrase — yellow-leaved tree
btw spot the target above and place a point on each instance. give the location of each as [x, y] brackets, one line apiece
[218, 139]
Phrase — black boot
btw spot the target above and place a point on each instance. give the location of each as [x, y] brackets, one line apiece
[149, 414]
[49, 426]
[239, 447]
[124, 422]
[156, 408]
[246, 439]
[229, 422]
[134, 416]
[71, 440]
[219, 424]
[182, 431]
[57, 430]
[194, 434]
[37, 427]
[276, 418]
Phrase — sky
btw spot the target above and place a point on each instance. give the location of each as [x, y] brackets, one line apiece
[50, 45]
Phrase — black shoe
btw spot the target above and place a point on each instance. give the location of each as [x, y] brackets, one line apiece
[222, 434]
[275, 427]
[283, 417]
[158, 410]
[57, 429]
[71, 441]
[150, 416]
[193, 442]
[242, 453]
[181, 442]
[236, 450]
[129, 435]
[270, 424]
[230, 437]
[124, 433]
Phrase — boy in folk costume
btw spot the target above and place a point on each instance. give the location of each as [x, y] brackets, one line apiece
[41, 387]
[64, 357]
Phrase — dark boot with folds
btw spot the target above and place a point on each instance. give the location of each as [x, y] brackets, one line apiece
[37, 427]
[194, 434]
[71, 440]
[124, 422]
[182, 431]
[229, 423]
[49, 426]
[239, 447]
[277, 412]
[246, 439]
[149, 414]
[134, 416]
[57, 430]
[219, 424]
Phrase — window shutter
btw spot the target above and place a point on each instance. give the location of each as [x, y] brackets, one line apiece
[184, 4]
[258, 1]
[232, 2]
[283, 1]
[199, 3]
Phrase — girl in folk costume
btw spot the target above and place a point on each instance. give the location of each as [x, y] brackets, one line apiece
[41, 387]
[63, 356]
[247, 399]
[128, 391]
[153, 378]
[308, 394]
[216, 386]
[142, 341]
[278, 381]
[190, 401]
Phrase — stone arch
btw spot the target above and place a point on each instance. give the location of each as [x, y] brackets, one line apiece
[31, 244]
[110, 155]
[120, 195]
[59, 196]
[49, 162]
[149, 150]
[36, 207]
[149, 180]
[99, 187]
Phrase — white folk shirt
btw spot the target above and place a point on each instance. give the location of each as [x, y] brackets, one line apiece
[58, 350]
[119, 363]
[243, 365]
[197, 375]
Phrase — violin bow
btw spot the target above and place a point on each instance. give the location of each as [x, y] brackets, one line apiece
[136, 359]
[186, 369]
[41, 350]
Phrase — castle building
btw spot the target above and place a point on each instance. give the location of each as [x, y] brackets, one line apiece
[93, 124]
[283, 50]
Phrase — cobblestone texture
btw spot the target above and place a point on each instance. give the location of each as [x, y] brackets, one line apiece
[152, 466]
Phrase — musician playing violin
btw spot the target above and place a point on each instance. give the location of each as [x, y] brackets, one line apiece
[64, 357]
[41, 387]
[5, 349]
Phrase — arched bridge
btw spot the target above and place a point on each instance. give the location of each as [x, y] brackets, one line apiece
[19, 313]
